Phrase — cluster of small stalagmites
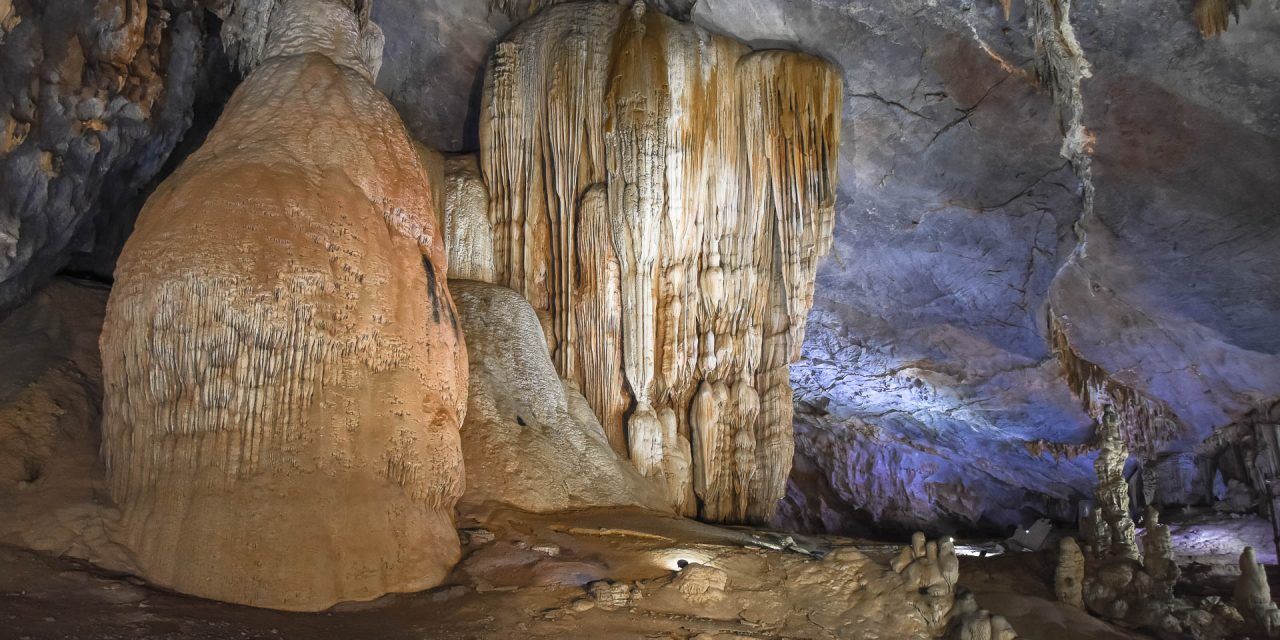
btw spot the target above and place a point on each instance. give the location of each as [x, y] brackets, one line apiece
[662, 196]
[283, 372]
[929, 565]
[932, 570]
[970, 622]
[1140, 593]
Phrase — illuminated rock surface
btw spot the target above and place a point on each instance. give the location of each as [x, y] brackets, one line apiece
[662, 196]
[284, 375]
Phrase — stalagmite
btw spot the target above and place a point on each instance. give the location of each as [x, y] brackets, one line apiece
[1157, 554]
[1113, 492]
[1068, 579]
[1253, 595]
[284, 376]
[661, 196]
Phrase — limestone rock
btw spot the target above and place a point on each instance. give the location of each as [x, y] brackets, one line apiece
[467, 232]
[284, 374]
[1253, 596]
[1068, 578]
[529, 440]
[693, 182]
[610, 596]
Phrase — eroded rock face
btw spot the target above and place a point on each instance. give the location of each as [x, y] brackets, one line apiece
[284, 373]
[662, 196]
[93, 98]
[529, 440]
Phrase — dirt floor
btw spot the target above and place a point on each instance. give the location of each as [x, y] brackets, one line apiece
[47, 598]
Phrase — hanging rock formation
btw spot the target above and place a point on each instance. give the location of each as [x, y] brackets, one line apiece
[283, 370]
[661, 196]
[530, 441]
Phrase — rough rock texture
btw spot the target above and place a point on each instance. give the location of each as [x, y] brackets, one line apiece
[700, 178]
[284, 374]
[93, 98]
[529, 440]
[468, 234]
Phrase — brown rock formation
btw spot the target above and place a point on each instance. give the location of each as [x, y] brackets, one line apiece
[661, 196]
[283, 378]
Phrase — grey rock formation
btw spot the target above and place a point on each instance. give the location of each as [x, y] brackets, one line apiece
[93, 98]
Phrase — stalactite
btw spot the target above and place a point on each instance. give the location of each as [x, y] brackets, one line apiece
[1214, 16]
[599, 317]
[1145, 423]
[717, 181]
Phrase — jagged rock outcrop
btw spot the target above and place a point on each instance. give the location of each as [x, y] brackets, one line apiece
[93, 98]
[529, 440]
[284, 373]
[699, 178]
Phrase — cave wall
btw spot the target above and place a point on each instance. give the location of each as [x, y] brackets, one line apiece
[93, 98]
[958, 222]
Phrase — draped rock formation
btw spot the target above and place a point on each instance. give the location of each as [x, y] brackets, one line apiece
[661, 196]
[283, 370]
[529, 440]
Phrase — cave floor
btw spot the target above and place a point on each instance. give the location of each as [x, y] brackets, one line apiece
[42, 597]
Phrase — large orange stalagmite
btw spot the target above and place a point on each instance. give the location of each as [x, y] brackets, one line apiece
[284, 374]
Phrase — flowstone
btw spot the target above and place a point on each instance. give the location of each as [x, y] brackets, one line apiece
[284, 376]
